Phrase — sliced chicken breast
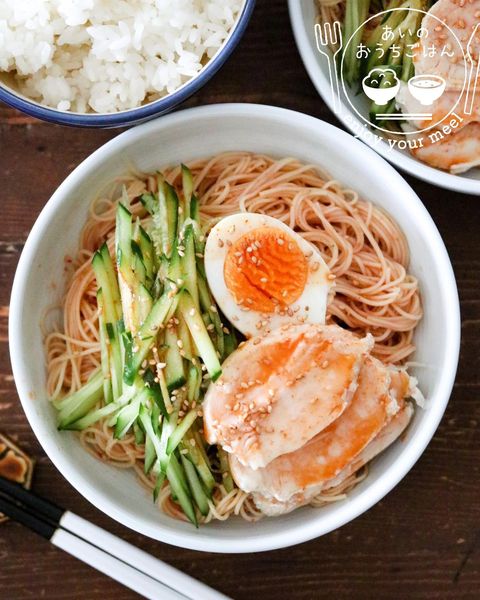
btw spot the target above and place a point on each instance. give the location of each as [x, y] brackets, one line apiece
[393, 430]
[279, 391]
[457, 152]
[297, 476]
[439, 109]
[461, 16]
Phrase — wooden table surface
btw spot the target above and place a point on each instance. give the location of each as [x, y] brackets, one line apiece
[421, 541]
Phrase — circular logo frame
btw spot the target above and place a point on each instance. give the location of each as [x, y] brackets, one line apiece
[382, 14]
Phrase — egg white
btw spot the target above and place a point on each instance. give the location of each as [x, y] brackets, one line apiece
[310, 307]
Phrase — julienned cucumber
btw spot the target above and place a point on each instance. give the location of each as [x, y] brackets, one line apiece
[80, 403]
[180, 488]
[174, 370]
[200, 335]
[198, 493]
[166, 220]
[145, 338]
[154, 308]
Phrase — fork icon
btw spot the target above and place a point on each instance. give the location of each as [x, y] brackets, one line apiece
[328, 37]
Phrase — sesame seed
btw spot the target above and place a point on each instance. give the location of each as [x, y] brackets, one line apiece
[269, 409]
[210, 327]
[220, 243]
[244, 385]
[182, 353]
[226, 330]
[180, 343]
[213, 308]
[263, 279]
[144, 364]
[180, 282]
[229, 243]
[315, 266]
[249, 249]
[239, 396]
[271, 393]
[254, 259]
[192, 312]
[280, 241]
[161, 365]
[238, 254]
[236, 406]
[256, 341]
[284, 293]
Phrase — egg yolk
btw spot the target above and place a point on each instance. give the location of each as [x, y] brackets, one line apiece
[265, 268]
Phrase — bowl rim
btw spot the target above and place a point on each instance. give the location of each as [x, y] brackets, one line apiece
[286, 536]
[140, 113]
[437, 177]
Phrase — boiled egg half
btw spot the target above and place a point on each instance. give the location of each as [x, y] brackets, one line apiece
[264, 275]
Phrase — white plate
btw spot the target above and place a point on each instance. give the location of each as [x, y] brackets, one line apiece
[303, 18]
[184, 136]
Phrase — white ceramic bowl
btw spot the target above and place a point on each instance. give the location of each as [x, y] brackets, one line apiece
[10, 94]
[302, 16]
[184, 136]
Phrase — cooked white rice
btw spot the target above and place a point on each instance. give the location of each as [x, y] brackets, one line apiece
[109, 55]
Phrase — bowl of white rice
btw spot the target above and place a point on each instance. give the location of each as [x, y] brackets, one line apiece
[108, 63]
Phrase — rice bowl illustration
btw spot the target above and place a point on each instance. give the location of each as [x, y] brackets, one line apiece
[377, 77]
[426, 88]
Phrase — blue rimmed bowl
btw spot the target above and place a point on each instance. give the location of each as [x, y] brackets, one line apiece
[134, 116]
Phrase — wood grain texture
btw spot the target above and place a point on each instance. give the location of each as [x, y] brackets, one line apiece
[421, 541]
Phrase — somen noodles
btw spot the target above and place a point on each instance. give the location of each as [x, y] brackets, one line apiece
[362, 246]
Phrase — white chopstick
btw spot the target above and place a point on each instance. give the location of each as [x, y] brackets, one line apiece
[152, 567]
[114, 568]
[107, 553]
